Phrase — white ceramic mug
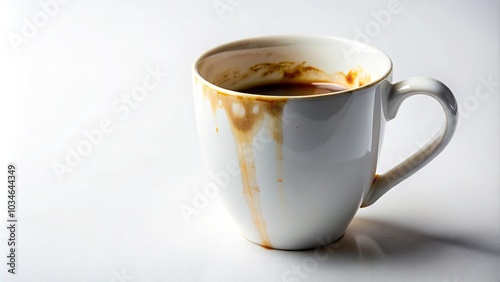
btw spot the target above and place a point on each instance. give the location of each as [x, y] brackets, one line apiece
[295, 169]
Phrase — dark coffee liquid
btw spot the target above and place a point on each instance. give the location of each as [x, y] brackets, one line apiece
[294, 89]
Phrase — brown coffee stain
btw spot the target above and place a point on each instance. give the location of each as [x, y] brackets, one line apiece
[214, 111]
[298, 72]
[250, 188]
[355, 77]
[246, 115]
[275, 110]
[287, 69]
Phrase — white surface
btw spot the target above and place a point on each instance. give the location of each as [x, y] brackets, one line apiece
[116, 216]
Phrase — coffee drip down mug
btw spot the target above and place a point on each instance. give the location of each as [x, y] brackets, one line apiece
[297, 168]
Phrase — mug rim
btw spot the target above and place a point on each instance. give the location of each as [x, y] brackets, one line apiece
[226, 46]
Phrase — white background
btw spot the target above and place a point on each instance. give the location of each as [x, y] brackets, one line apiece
[115, 216]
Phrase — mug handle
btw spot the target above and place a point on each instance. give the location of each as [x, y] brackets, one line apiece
[396, 95]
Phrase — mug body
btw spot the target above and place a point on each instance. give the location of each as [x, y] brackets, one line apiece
[291, 170]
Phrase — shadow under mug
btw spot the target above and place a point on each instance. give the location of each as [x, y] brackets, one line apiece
[292, 169]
